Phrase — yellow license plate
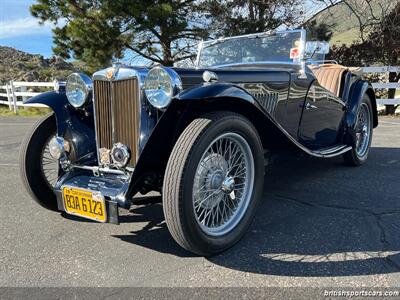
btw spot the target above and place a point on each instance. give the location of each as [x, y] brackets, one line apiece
[84, 203]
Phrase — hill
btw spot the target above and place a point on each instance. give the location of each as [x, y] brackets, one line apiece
[343, 21]
[21, 66]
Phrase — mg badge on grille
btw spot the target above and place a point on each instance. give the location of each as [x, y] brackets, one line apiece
[110, 73]
[104, 154]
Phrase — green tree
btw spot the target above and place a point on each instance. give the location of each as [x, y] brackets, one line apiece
[96, 31]
[233, 17]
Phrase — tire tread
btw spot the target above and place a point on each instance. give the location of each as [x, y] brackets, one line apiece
[41, 127]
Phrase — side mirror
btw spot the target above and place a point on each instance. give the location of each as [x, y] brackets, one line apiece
[317, 47]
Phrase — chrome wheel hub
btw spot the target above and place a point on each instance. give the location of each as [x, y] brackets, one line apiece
[49, 165]
[223, 184]
[228, 185]
[363, 130]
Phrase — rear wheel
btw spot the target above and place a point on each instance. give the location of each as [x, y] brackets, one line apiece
[363, 130]
[39, 171]
[213, 182]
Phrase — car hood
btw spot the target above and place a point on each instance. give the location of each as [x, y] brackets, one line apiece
[191, 76]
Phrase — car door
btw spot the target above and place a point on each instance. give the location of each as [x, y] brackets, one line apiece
[321, 119]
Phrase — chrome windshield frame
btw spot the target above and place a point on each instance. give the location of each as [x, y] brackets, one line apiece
[302, 46]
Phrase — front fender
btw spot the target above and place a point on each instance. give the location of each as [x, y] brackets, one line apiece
[58, 102]
[74, 125]
[215, 91]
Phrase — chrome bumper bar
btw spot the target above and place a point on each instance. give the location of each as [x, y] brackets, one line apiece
[100, 170]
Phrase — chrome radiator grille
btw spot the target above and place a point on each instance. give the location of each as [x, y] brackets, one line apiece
[117, 114]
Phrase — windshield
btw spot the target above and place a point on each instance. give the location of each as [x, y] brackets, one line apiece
[284, 46]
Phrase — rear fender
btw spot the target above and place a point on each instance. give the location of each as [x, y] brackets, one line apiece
[356, 94]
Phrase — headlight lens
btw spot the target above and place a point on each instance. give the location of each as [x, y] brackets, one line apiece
[78, 89]
[160, 85]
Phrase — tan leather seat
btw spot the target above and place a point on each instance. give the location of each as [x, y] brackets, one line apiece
[330, 76]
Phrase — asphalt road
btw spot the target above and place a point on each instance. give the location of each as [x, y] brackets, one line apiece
[321, 224]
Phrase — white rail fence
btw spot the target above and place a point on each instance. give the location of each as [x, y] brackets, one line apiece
[384, 85]
[14, 94]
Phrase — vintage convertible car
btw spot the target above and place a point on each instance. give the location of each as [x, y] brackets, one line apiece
[196, 135]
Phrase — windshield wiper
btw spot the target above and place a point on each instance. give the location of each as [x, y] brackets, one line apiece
[252, 36]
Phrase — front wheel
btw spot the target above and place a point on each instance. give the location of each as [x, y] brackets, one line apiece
[39, 171]
[363, 130]
[213, 182]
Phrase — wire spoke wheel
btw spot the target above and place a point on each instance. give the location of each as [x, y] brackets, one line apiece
[363, 130]
[213, 182]
[49, 165]
[223, 184]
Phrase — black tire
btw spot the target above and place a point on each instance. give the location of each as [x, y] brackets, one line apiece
[179, 176]
[352, 157]
[30, 162]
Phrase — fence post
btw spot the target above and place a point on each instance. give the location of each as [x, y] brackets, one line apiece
[14, 97]
[8, 96]
[55, 82]
[24, 98]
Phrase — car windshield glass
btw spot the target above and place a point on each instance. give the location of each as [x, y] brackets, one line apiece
[276, 47]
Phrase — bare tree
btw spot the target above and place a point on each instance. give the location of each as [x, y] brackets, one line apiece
[368, 13]
[380, 46]
[231, 17]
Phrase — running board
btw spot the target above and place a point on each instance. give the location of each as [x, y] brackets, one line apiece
[331, 152]
[324, 152]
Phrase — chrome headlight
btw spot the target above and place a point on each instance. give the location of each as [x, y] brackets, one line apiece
[78, 89]
[160, 85]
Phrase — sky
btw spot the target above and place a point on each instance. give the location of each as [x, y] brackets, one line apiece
[18, 29]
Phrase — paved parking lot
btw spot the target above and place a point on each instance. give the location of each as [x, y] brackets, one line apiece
[320, 224]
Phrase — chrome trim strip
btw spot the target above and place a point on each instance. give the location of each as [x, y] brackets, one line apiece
[302, 58]
[335, 151]
[121, 72]
[140, 98]
[95, 126]
[113, 134]
[199, 47]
